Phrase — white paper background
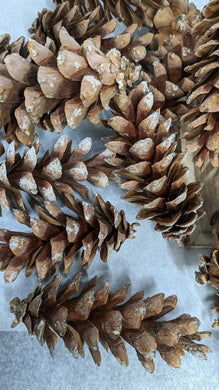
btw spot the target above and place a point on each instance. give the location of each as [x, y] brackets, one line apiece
[150, 263]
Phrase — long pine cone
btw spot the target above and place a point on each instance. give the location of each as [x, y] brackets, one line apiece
[203, 128]
[60, 171]
[55, 89]
[209, 269]
[98, 315]
[151, 170]
[56, 235]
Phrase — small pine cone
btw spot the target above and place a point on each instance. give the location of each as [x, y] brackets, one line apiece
[151, 170]
[60, 171]
[56, 234]
[209, 269]
[98, 315]
[55, 90]
[203, 128]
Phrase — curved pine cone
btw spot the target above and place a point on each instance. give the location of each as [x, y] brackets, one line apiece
[151, 169]
[209, 269]
[61, 171]
[56, 234]
[53, 90]
[95, 316]
[203, 128]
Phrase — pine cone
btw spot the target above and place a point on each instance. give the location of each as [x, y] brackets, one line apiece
[168, 76]
[174, 20]
[52, 91]
[159, 15]
[140, 12]
[8, 91]
[172, 50]
[94, 316]
[60, 171]
[203, 117]
[209, 269]
[81, 20]
[151, 169]
[56, 234]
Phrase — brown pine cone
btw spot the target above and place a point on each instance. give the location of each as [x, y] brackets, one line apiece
[169, 77]
[149, 166]
[52, 91]
[81, 20]
[56, 234]
[209, 269]
[203, 128]
[98, 315]
[60, 171]
[159, 15]
[7, 89]
[172, 50]
[129, 12]
[174, 20]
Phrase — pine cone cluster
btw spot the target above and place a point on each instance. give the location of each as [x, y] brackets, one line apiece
[56, 235]
[152, 171]
[209, 269]
[203, 127]
[154, 85]
[95, 316]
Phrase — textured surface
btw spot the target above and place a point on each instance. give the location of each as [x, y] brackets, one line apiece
[150, 262]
